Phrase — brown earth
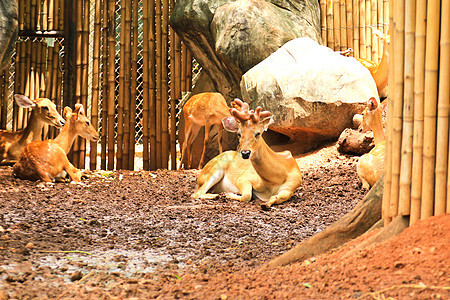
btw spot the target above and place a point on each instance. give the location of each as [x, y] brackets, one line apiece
[139, 235]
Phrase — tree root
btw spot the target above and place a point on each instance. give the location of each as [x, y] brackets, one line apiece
[358, 221]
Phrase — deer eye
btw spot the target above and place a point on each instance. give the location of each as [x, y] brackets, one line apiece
[88, 123]
[45, 108]
[257, 134]
[239, 135]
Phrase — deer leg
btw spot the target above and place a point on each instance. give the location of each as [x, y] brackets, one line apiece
[219, 137]
[245, 187]
[74, 173]
[205, 144]
[207, 181]
[187, 134]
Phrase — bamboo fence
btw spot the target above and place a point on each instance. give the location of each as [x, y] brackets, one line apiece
[140, 70]
[417, 176]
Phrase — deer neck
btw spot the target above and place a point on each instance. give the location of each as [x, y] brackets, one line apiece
[267, 163]
[377, 127]
[32, 132]
[66, 137]
[382, 74]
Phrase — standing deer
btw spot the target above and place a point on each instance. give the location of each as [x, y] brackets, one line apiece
[43, 112]
[255, 168]
[205, 109]
[380, 72]
[47, 160]
[371, 165]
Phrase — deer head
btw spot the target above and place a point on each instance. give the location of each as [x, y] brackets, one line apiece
[82, 125]
[45, 110]
[249, 126]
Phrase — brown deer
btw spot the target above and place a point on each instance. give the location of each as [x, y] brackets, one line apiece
[255, 168]
[371, 165]
[380, 72]
[205, 109]
[46, 160]
[43, 112]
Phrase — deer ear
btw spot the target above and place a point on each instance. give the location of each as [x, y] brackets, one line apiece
[266, 123]
[230, 124]
[372, 103]
[67, 112]
[24, 101]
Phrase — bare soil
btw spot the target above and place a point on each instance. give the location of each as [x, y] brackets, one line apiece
[139, 235]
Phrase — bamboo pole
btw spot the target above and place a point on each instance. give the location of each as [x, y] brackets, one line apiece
[45, 17]
[146, 86]
[111, 81]
[153, 87]
[386, 7]
[134, 72]
[123, 39]
[337, 25]
[127, 88]
[388, 151]
[4, 101]
[37, 70]
[330, 24]
[49, 76]
[408, 113]
[55, 74]
[75, 152]
[188, 70]
[349, 12]
[183, 67]
[36, 6]
[430, 94]
[159, 63]
[368, 31]
[443, 115]
[356, 40]
[165, 148]
[104, 140]
[419, 67]
[95, 80]
[85, 74]
[323, 21]
[51, 12]
[173, 152]
[362, 29]
[22, 14]
[373, 24]
[28, 16]
[380, 27]
[43, 69]
[343, 29]
[397, 107]
[61, 12]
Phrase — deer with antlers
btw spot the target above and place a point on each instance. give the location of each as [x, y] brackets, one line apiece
[255, 169]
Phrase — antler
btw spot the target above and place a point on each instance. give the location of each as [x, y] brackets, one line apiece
[242, 113]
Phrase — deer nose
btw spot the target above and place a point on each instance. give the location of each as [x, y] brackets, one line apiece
[246, 154]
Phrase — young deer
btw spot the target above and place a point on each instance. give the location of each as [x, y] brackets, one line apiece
[43, 112]
[254, 168]
[46, 160]
[380, 72]
[205, 109]
[371, 165]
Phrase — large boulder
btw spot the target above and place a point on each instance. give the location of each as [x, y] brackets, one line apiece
[8, 31]
[312, 91]
[228, 38]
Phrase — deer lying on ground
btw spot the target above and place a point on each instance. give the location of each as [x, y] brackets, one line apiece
[255, 168]
[205, 109]
[47, 160]
[380, 72]
[371, 165]
[43, 112]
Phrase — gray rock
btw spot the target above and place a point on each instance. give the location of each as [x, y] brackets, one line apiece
[312, 91]
[228, 38]
[8, 31]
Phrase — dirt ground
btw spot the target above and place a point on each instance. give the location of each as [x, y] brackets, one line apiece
[138, 235]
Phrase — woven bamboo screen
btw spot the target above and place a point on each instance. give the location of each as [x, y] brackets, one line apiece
[417, 173]
[348, 24]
